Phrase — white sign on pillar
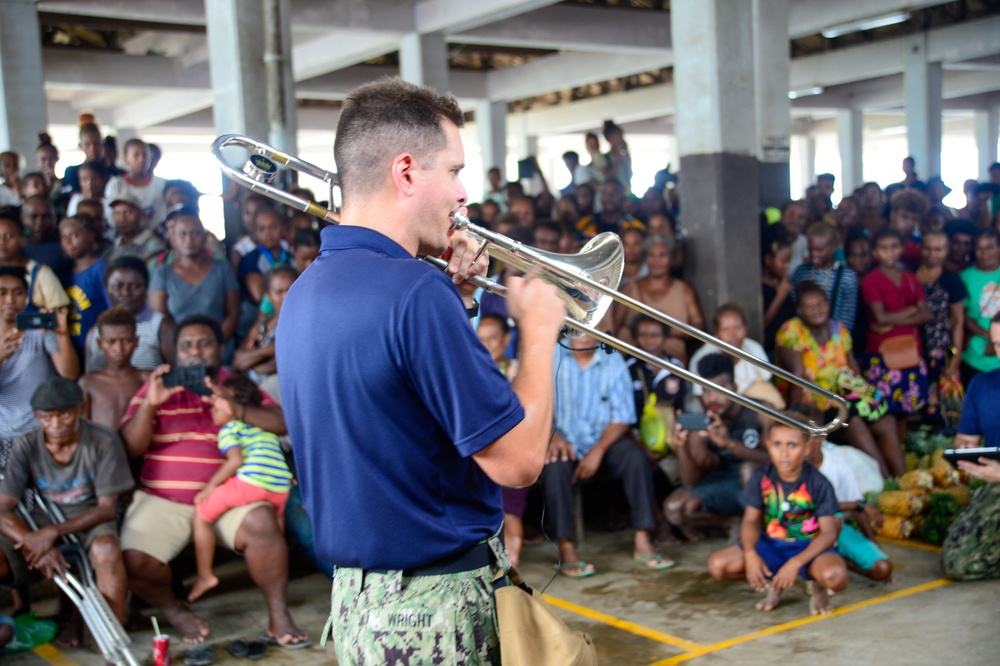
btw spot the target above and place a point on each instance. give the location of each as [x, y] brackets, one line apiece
[771, 75]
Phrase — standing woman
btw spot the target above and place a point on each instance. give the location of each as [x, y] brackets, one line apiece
[195, 282]
[897, 307]
[982, 283]
[660, 291]
[944, 335]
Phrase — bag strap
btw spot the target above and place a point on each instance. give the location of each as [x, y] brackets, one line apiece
[836, 290]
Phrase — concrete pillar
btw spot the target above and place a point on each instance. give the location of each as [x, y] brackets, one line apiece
[491, 124]
[717, 142]
[423, 59]
[23, 110]
[850, 132]
[922, 96]
[986, 140]
[236, 63]
[773, 109]
[282, 110]
[805, 146]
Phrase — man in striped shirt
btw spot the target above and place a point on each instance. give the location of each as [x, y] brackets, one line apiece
[594, 412]
[175, 433]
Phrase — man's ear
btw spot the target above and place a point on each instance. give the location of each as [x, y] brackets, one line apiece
[401, 172]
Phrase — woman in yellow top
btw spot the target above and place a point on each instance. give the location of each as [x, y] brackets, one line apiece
[816, 348]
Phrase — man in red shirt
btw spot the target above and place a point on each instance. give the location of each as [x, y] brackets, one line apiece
[172, 429]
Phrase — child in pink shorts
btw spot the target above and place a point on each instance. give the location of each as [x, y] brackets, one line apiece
[254, 471]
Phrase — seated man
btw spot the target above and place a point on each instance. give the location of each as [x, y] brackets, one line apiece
[78, 467]
[174, 430]
[710, 460]
[594, 412]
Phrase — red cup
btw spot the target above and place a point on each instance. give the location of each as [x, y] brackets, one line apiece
[161, 650]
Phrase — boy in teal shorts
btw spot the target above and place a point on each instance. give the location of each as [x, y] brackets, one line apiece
[255, 471]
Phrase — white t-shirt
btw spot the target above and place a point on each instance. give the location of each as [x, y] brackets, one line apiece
[8, 197]
[150, 197]
[746, 373]
[838, 472]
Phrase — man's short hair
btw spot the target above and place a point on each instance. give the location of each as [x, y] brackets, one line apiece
[961, 225]
[198, 320]
[571, 154]
[127, 263]
[645, 319]
[382, 119]
[15, 271]
[115, 317]
[714, 365]
[826, 176]
[994, 167]
[56, 394]
[911, 201]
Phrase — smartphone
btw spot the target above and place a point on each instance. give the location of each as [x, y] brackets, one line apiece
[191, 377]
[971, 455]
[525, 169]
[694, 422]
[30, 320]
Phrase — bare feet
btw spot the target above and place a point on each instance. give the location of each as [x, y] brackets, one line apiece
[70, 633]
[193, 628]
[283, 631]
[691, 534]
[201, 586]
[771, 601]
[819, 601]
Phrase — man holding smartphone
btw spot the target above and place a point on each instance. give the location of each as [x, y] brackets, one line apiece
[710, 459]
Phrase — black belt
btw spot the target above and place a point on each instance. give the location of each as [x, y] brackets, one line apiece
[476, 557]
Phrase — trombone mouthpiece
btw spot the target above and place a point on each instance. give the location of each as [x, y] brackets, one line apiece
[459, 221]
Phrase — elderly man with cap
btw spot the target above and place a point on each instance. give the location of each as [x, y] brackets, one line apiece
[136, 236]
[78, 467]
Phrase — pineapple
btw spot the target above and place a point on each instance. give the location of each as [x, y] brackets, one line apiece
[944, 474]
[903, 503]
[912, 460]
[916, 479]
[960, 493]
[896, 527]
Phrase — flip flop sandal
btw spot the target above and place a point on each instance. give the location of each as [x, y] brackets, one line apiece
[238, 648]
[256, 650]
[198, 655]
[581, 569]
[654, 561]
[290, 645]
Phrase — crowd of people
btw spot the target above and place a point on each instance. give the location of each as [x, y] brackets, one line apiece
[139, 382]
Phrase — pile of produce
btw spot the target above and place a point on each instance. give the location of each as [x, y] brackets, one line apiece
[924, 501]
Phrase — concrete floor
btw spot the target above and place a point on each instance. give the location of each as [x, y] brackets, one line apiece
[680, 615]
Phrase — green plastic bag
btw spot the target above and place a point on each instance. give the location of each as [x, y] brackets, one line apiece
[653, 427]
[29, 633]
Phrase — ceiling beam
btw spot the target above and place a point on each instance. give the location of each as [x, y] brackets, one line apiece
[810, 17]
[452, 16]
[593, 29]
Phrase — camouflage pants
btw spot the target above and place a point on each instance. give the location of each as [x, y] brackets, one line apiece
[972, 548]
[391, 619]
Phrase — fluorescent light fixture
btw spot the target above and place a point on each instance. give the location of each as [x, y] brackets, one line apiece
[866, 24]
[805, 92]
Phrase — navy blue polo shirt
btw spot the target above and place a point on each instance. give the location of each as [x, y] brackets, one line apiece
[387, 393]
[980, 415]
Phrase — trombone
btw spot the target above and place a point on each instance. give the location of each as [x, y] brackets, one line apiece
[585, 281]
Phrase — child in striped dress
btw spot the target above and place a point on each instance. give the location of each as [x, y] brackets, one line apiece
[254, 471]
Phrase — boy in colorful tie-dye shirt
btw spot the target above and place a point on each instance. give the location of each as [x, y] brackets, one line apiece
[789, 526]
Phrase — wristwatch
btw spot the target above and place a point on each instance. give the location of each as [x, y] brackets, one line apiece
[473, 311]
[861, 506]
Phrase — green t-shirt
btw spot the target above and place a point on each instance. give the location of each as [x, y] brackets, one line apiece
[981, 303]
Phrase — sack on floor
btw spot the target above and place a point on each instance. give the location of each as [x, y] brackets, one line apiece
[532, 634]
[29, 633]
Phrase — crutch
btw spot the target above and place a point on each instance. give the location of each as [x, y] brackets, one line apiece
[111, 638]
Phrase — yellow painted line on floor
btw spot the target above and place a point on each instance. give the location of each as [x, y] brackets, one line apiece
[625, 625]
[49, 653]
[781, 628]
[917, 545]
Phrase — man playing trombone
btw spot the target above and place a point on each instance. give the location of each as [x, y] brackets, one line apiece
[402, 426]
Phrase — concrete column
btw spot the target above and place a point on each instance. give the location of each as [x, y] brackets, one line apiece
[850, 132]
[805, 145]
[491, 124]
[236, 63]
[23, 110]
[773, 109]
[986, 140]
[282, 110]
[922, 96]
[423, 59]
[717, 142]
